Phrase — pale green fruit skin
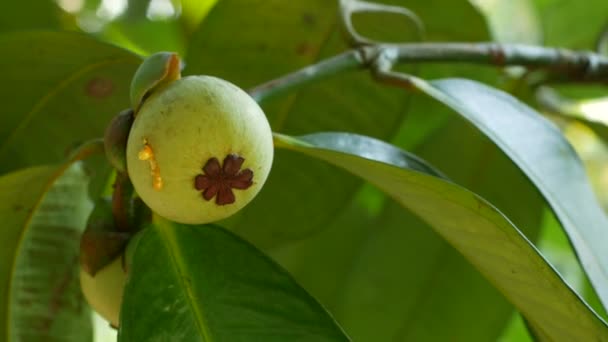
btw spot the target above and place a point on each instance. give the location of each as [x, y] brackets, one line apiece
[104, 291]
[186, 123]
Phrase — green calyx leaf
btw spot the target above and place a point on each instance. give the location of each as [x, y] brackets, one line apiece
[101, 242]
[115, 139]
[157, 70]
[111, 226]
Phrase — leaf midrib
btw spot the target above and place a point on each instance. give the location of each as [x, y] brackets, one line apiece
[27, 223]
[171, 244]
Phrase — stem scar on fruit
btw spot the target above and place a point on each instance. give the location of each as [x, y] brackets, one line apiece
[146, 153]
[219, 181]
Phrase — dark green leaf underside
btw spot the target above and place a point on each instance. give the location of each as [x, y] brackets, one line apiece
[541, 151]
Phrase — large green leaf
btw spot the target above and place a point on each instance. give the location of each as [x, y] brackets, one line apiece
[365, 285]
[478, 230]
[35, 14]
[572, 23]
[387, 276]
[474, 162]
[545, 156]
[202, 283]
[44, 210]
[59, 89]
[277, 37]
[471, 160]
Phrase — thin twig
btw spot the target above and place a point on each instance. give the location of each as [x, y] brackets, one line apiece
[562, 64]
[575, 65]
[346, 61]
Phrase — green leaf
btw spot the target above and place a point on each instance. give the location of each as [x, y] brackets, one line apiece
[389, 276]
[428, 301]
[545, 156]
[59, 90]
[556, 247]
[44, 210]
[442, 296]
[478, 230]
[572, 23]
[36, 14]
[474, 162]
[202, 283]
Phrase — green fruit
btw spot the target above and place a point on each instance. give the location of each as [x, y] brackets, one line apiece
[104, 290]
[199, 150]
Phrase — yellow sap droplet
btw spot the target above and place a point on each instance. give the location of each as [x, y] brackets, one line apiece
[147, 153]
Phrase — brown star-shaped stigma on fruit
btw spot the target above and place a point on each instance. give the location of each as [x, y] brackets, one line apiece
[218, 181]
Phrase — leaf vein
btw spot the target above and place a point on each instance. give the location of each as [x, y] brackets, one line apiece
[173, 250]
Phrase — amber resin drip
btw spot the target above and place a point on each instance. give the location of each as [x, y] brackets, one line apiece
[147, 154]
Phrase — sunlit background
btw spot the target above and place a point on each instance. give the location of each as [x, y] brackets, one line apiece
[140, 26]
[93, 18]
